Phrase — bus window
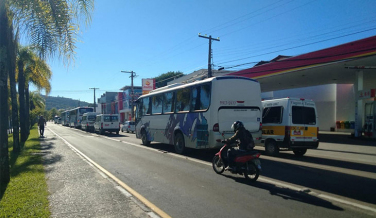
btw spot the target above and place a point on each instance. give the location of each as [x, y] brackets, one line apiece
[201, 97]
[182, 99]
[157, 104]
[168, 102]
[146, 109]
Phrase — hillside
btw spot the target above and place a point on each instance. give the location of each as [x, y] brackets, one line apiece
[63, 103]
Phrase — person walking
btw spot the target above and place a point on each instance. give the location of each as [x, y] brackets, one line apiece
[41, 124]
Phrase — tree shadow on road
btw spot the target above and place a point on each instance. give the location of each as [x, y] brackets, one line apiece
[288, 194]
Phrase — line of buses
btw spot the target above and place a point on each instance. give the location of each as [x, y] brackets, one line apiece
[199, 115]
[73, 117]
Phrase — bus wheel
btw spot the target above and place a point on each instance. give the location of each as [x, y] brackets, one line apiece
[271, 148]
[179, 143]
[144, 138]
[300, 152]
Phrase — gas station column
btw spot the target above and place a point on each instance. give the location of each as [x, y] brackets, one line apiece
[358, 104]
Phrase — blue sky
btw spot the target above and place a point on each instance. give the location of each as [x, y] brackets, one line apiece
[153, 37]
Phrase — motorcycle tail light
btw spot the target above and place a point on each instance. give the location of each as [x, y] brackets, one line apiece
[256, 155]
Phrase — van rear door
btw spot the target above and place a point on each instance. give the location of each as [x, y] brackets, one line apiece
[304, 122]
[250, 116]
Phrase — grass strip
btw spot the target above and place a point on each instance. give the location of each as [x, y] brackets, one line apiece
[26, 194]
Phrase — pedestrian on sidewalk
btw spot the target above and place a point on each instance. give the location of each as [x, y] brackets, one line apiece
[41, 124]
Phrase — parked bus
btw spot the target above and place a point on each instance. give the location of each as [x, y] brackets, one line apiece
[65, 118]
[200, 114]
[56, 119]
[75, 116]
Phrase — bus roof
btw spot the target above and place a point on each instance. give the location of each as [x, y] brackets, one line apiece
[181, 85]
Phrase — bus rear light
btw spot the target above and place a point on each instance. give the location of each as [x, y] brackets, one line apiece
[216, 127]
[260, 126]
[102, 125]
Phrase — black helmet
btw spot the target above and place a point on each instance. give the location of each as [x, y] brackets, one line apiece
[236, 125]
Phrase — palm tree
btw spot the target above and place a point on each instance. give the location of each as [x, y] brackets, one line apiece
[4, 157]
[51, 27]
[30, 69]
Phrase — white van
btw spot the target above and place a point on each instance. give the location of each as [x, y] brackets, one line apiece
[107, 123]
[87, 122]
[289, 124]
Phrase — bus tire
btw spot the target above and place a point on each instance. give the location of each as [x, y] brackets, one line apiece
[271, 148]
[179, 143]
[299, 152]
[144, 138]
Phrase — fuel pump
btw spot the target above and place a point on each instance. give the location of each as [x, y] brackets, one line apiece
[370, 121]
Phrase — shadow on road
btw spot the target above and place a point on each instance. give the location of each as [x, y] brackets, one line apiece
[288, 194]
[346, 139]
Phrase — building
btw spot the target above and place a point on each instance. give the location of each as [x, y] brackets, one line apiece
[106, 103]
[124, 100]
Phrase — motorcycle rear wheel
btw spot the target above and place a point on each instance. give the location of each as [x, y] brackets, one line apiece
[218, 165]
[252, 172]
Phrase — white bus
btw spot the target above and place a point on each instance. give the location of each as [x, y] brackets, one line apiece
[64, 118]
[75, 116]
[199, 114]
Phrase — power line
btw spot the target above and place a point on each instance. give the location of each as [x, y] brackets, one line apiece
[298, 46]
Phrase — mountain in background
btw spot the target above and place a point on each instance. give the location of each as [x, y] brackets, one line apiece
[63, 103]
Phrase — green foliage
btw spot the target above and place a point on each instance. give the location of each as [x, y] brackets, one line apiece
[163, 79]
[26, 194]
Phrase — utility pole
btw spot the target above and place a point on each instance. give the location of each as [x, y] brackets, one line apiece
[210, 52]
[133, 74]
[94, 99]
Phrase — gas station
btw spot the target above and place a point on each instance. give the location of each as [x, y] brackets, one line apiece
[351, 63]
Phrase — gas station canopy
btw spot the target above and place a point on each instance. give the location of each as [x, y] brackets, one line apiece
[337, 64]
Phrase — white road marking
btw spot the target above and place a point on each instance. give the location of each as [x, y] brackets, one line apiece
[261, 178]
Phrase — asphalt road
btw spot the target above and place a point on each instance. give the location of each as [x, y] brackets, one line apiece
[186, 186]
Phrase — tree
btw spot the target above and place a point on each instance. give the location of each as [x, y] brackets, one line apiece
[30, 69]
[52, 113]
[51, 27]
[163, 79]
[4, 68]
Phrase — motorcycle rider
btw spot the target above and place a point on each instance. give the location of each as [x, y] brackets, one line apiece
[246, 143]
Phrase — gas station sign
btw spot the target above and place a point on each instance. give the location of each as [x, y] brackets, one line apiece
[367, 93]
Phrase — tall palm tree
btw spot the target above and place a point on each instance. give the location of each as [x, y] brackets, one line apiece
[51, 27]
[30, 69]
[4, 42]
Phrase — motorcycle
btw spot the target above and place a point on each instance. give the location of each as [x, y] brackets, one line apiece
[247, 163]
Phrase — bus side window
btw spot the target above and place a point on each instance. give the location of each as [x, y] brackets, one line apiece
[146, 103]
[183, 100]
[157, 101]
[201, 97]
[168, 102]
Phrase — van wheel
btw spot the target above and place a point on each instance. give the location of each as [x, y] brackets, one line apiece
[299, 152]
[144, 138]
[179, 143]
[271, 148]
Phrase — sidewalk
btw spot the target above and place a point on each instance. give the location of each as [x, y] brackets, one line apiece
[77, 189]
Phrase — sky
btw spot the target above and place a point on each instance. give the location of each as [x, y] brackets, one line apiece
[154, 37]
